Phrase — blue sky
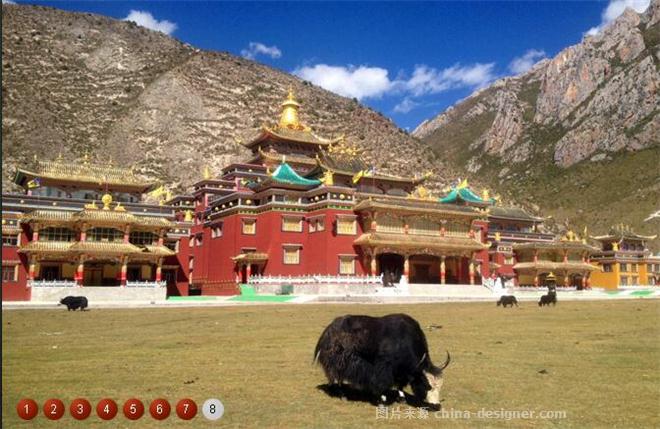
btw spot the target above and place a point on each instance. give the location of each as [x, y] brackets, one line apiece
[408, 60]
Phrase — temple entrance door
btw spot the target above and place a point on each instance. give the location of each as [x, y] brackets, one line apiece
[424, 269]
[393, 263]
[50, 272]
[93, 276]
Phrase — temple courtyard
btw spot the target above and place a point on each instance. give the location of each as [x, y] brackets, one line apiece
[582, 363]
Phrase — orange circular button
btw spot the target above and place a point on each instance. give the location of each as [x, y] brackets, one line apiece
[186, 409]
[80, 408]
[27, 409]
[106, 409]
[54, 409]
[133, 409]
[160, 409]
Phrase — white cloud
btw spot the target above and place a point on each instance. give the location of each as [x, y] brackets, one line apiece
[616, 8]
[256, 48]
[359, 82]
[147, 20]
[525, 62]
[406, 105]
[8, 2]
[373, 82]
[428, 80]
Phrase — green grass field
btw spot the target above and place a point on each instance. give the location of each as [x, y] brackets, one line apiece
[602, 361]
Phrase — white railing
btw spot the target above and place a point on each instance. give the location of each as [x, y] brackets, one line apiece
[315, 279]
[145, 284]
[51, 283]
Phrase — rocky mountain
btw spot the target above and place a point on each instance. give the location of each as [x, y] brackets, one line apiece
[77, 83]
[578, 135]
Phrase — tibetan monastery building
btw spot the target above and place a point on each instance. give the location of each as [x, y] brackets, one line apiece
[300, 205]
[84, 224]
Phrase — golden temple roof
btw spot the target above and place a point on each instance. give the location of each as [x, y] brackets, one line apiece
[250, 257]
[158, 250]
[292, 159]
[289, 127]
[83, 172]
[41, 246]
[153, 221]
[11, 229]
[556, 245]
[105, 247]
[416, 207]
[105, 216]
[622, 231]
[555, 266]
[48, 216]
[417, 241]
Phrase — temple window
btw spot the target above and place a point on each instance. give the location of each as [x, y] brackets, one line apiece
[56, 234]
[508, 260]
[199, 238]
[216, 231]
[346, 225]
[191, 241]
[291, 254]
[173, 245]
[292, 223]
[347, 265]
[454, 229]
[633, 268]
[623, 281]
[142, 237]
[9, 273]
[635, 280]
[191, 263]
[607, 268]
[9, 240]
[312, 225]
[389, 224]
[623, 267]
[105, 234]
[249, 226]
[422, 226]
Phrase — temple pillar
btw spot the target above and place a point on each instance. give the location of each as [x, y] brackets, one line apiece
[127, 235]
[35, 233]
[471, 271]
[248, 272]
[536, 279]
[33, 266]
[80, 271]
[566, 279]
[124, 270]
[565, 256]
[536, 256]
[374, 268]
[443, 270]
[406, 266]
[159, 270]
[161, 237]
[584, 281]
[83, 233]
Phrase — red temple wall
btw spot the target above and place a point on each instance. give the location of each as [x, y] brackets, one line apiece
[18, 290]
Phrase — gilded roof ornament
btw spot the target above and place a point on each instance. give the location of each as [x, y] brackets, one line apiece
[106, 200]
[119, 207]
[289, 117]
[189, 216]
[92, 206]
[207, 173]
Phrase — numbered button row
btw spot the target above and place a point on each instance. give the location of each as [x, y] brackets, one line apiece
[107, 409]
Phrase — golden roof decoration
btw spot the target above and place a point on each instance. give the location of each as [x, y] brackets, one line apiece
[207, 173]
[85, 171]
[189, 216]
[289, 117]
[342, 147]
[92, 206]
[106, 200]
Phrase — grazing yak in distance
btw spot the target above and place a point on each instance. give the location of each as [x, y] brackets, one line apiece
[549, 298]
[376, 354]
[74, 303]
[507, 300]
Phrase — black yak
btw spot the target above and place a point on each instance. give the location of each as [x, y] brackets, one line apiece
[375, 354]
[507, 300]
[549, 298]
[74, 303]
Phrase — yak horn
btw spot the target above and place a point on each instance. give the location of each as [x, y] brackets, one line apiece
[421, 360]
[446, 364]
[316, 358]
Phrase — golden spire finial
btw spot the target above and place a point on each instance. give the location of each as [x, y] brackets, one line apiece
[189, 216]
[485, 195]
[289, 117]
[106, 200]
[207, 172]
